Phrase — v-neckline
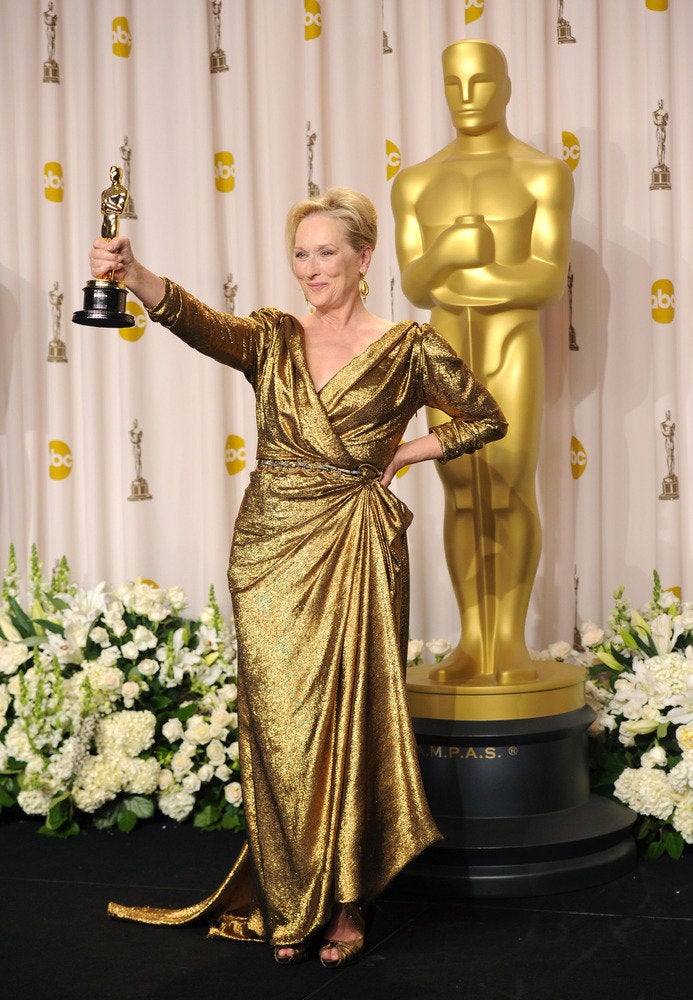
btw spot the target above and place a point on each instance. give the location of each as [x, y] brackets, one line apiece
[350, 362]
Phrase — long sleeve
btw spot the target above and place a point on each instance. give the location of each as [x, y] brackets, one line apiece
[239, 342]
[448, 384]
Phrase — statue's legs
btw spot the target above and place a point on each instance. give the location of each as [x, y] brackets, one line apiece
[492, 532]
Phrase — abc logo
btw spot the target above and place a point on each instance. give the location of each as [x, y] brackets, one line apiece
[571, 150]
[60, 460]
[53, 183]
[133, 333]
[394, 159]
[235, 454]
[313, 19]
[122, 39]
[473, 9]
[578, 458]
[662, 301]
[657, 4]
[224, 171]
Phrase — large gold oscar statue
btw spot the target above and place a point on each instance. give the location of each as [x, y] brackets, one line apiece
[483, 237]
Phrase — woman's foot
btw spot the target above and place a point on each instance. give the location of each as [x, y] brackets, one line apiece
[344, 937]
[291, 954]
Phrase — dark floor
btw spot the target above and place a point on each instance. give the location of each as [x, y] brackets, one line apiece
[631, 939]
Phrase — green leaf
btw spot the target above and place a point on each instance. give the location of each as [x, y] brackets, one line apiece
[673, 843]
[70, 830]
[21, 621]
[127, 821]
[59, 811]
[205, 817]
[140, 805]
[50, 626]
[655, 850]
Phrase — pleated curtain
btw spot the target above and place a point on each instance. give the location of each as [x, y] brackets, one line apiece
[128, 453]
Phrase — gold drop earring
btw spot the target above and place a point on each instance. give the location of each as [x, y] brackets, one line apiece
[363, 287]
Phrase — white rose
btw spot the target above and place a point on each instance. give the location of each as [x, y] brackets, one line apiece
[205, 773]
[223, 772]
[190, 783]
[131, 689]
[198, 730]
[560, 650]
[591, 635]
[684, 621]
[180, 764]
[656, 757]
[177, 805]
[143, 638]
[176, 598]
[216, 752]
[414, 650]
[118, 628]
[129, 650]
[233, 793]
[439, 647]
[667, 599]
[99, 635]
[233, 751]
[166, 778]
[228, 693]
[12, 656]
[148, 667]
[173, 730]
[109, 657]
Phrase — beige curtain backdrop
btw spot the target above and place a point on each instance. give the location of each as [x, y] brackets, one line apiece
[129, 453]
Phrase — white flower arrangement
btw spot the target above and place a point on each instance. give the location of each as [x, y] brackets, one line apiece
[113, 705]
[640, 685]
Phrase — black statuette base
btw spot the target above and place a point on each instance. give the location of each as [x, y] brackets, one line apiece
[104, 305]
[512, 800]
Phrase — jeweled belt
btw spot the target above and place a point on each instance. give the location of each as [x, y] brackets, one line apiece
[364, 471]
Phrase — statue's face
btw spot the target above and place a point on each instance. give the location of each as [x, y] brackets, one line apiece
[477, 87]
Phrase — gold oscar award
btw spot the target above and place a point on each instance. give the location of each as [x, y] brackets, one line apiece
[105, 298]
[482, 229]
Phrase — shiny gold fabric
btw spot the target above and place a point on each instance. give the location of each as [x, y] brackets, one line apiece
[319, 583]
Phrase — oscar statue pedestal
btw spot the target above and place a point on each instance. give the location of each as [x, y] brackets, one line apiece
[506, 774]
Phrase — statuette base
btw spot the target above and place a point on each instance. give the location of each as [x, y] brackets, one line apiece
[217, 61]
[661, 178]
[104, 305]
[51, 71]
[57, 350]
[670, 488]
[139, 490]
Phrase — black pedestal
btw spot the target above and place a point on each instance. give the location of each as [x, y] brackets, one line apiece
[512, 800]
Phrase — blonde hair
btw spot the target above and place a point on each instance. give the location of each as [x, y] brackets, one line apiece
[355, 212]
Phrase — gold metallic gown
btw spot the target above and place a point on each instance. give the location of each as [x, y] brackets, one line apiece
[319, 584]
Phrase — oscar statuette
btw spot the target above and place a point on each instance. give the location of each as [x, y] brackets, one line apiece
[104, 298]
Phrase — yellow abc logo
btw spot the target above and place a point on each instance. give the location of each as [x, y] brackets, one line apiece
[473, 9]
[224, 171]
[578, 458]
[133, 333]
[394, 159]
[122, 38]
[235, 454]
[53, 183]
[60, 460]
[663, 301]
[313, 19]
[571, 150]
[657, 4]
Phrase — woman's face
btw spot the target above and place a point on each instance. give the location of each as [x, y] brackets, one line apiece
[326, 265]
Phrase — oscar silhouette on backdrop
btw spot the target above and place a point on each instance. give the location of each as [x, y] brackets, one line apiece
[483, 237]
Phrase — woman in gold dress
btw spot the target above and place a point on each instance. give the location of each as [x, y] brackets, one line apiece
[319, 582]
